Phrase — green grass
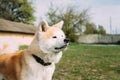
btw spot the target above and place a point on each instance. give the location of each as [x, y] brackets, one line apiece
[88, 62]
[22, 47]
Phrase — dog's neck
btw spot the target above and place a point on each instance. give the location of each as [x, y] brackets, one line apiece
[41, 61]
[34, 46]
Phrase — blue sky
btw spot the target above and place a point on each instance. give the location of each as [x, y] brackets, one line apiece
[100, 10]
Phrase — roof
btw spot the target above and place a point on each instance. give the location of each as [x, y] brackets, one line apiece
[16, 27]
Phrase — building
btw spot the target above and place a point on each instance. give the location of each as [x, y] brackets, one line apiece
[14, 34]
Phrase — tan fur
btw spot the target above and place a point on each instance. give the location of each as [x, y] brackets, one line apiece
[11, 65]
[50, 32]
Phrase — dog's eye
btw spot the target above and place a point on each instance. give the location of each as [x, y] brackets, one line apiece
[54, 37]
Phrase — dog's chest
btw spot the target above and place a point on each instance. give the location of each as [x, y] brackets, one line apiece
[36, 71]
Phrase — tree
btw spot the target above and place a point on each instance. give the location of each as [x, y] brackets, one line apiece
[17, 10]
[90, 28]
[101, 30]
[73, 20]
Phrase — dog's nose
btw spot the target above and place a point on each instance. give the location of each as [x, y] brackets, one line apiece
[66, 40]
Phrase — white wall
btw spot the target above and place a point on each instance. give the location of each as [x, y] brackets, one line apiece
[10, 42]
[94, 38]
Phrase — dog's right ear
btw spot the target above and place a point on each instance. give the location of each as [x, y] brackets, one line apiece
[43, 26]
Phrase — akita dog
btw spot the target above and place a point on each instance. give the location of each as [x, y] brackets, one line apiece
[38, 61]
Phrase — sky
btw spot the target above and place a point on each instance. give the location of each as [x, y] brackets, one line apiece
[101, 11]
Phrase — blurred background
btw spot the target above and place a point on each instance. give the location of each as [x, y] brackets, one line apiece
[93, 27]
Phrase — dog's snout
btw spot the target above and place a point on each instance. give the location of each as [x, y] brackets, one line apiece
[66, 40]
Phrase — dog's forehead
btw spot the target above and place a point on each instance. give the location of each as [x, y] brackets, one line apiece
[51, 31]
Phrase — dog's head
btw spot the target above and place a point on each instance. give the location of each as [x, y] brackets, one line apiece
[51, 38]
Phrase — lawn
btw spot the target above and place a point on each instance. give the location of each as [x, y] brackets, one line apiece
[89, 62]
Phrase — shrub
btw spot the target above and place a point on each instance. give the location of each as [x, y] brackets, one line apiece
[118, 42]
[22, 47]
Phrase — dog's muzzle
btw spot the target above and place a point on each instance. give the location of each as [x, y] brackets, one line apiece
[66, 41]
[62, 47]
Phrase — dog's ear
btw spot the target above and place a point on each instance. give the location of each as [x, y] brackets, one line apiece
[43, 26]
[59, 25]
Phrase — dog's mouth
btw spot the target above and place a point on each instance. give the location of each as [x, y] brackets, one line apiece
[62, 47]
